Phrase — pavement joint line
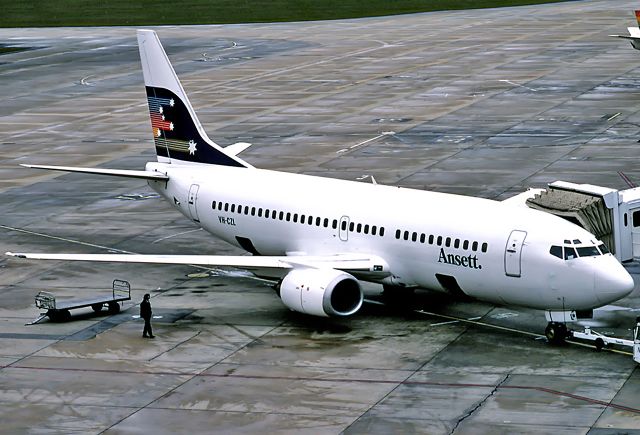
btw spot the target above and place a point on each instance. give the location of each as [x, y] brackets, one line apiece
[479, 404]
[518, 331]
[200, 373]
[191, 376]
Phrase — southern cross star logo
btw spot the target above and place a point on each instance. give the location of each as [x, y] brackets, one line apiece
[192, 147]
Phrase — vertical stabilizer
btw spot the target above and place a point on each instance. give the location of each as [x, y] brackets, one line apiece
[177, 133]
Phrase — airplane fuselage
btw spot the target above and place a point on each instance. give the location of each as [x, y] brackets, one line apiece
[485, 249]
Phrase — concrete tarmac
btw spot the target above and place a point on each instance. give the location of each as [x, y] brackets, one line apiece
[478, 102]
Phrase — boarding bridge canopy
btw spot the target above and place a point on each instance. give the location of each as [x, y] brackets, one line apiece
[587, 210]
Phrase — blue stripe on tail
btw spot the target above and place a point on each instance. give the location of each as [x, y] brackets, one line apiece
[175, 133]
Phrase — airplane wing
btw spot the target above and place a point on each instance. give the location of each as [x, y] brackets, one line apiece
[358, 265]
[147, 175]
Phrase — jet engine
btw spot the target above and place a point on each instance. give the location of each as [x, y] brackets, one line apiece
[321, 292]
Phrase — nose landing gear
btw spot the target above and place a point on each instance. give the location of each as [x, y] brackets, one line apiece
[556, 332]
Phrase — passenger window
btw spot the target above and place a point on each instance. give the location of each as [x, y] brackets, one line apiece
[219, 206]
[325, 222]
[465, 245]
[213, 205]
[397, 234]
[253, 211]
[358, 228]
[381, 231]
[302, 218]
[474, 246]
[233, 208]
[295, 217]
[246, 209]
[226, 206]
[569, 253]
[334, 224]
[485, 247]
[373, 230]
[310, 220]
[431, 239]
[447, 242]
[288, 216]
[343, 226]
[260, 212]
[351, 225]
[636, 218]
[588, 251]
[317, 222]
[406, 235]
[556, 251]
[366, 229]
[274, 214]
[414, 236]
[456, 243]
[625, 220]
[239, 209]
[439, 241]
[422, 238]
[603, 248]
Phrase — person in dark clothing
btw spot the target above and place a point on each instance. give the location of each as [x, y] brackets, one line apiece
[145, 313]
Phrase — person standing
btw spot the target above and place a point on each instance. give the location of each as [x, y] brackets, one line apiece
[145, 313]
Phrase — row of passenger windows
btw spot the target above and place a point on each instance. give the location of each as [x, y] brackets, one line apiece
[570, 252]
[441, 241]
[362, 228]
[296, 218]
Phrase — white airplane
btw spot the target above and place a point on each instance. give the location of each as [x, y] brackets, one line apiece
[321, 237]
[634, 33]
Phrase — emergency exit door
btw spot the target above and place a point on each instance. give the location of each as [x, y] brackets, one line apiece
[513, 253]
[343, 230]
[193, 197]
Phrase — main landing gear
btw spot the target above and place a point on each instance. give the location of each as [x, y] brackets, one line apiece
[556, 332]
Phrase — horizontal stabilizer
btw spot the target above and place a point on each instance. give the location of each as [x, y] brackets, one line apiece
[147, 175]
[236, 148]
[625, 37]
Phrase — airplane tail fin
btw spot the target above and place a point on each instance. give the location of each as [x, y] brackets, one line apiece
[177, 132]
[637, 17]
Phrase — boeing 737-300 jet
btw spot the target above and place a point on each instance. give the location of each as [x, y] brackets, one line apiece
[322, 237]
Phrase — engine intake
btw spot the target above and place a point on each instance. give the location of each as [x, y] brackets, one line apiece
[321, 292]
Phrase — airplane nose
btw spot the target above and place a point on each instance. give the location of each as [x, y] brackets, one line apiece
[613, 283]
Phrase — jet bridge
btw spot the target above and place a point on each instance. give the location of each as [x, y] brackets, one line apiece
[613, 216]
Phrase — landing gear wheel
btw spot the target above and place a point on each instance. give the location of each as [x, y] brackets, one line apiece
[556, 332]
[397, 297]
[96, 307]
[599, 344]
[65, 315]
[114, 308]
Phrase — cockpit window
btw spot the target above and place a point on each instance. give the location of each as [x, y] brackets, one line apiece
[569, 253]
[556, 251]
[588, 251]
[603, 248]
[567, 242]
[576, 241]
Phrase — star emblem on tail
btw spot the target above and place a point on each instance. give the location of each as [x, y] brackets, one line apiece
[192, 147]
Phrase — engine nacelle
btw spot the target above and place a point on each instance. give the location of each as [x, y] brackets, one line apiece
[321, 292]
